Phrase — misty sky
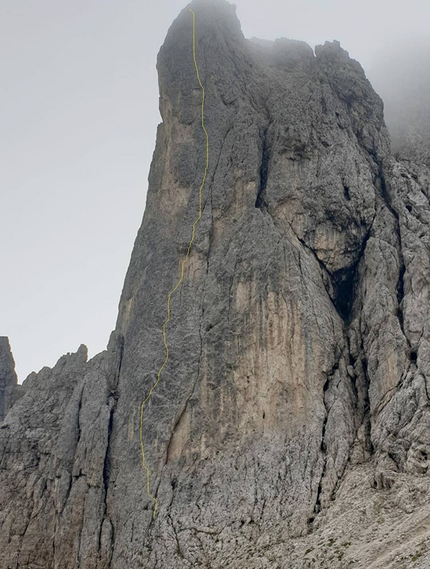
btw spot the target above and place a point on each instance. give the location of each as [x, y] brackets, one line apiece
[79, 110]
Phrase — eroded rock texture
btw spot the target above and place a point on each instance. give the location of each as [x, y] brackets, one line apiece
[8, 379]
[294, 408]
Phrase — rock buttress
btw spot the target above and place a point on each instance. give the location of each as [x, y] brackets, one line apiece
[8, 379]
[251, 428]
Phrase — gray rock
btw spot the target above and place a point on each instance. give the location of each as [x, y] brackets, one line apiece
[8, 379]
[290, 426]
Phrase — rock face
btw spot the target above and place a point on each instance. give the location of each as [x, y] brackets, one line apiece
[291, 424]
[8, 379]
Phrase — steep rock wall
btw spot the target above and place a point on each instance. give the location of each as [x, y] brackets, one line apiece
[8, 379]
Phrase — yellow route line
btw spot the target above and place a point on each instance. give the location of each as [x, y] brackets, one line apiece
[166, 347]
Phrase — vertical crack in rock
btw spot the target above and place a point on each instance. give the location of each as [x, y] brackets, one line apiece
[361, 392]
[112, 402]
[323, 447]
[260, 202]
[400, 288]
[115, 351]
[78, 417]
[106, 464]
[175, 534]
[366, 410]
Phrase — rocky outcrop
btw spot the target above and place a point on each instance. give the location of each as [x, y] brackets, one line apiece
[55, 462]
[8, 379]
[295, 401]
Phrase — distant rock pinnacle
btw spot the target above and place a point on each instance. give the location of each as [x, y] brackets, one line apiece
[8, 377]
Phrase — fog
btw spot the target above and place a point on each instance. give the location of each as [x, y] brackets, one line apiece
[402, 78]
[78, 120]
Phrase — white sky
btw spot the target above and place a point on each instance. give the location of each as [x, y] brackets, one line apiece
[78, 115]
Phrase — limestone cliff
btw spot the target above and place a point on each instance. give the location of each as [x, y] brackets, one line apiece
[8, 379]
[291, 425]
